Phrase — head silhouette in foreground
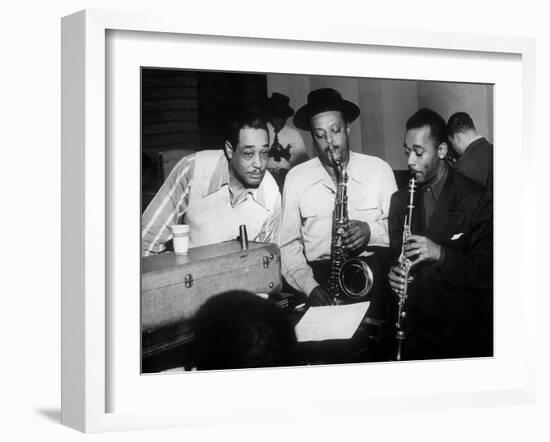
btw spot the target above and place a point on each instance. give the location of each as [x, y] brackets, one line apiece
[238, 329]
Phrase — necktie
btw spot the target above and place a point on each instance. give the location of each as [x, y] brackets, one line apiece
[429, 205]
[276, 149]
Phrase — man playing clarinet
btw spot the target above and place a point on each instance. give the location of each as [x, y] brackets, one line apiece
[448, 308]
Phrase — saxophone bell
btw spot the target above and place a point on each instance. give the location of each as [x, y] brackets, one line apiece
[355, 279]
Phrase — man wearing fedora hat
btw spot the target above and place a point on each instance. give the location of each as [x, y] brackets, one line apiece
[309, 195]
[287, 146]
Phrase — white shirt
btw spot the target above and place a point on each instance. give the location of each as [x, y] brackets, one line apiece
[308, 203]
[287, 136]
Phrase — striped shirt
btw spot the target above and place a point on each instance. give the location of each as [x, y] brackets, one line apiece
[197, 192]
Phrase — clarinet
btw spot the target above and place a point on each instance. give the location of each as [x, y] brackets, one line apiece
[405, 265]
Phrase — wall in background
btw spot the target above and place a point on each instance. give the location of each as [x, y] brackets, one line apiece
[185, 109]
[387, 104]
[448, 98]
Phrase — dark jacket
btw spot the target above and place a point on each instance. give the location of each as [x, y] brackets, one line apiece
[449, 305]
[477, 163]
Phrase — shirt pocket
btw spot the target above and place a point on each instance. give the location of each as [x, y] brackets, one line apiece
[318, 204]
[366, 209]
[316, 212]
[316, 209]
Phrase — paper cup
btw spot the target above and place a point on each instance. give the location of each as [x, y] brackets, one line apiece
[180, 234]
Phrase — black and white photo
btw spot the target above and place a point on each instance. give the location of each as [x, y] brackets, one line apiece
[297, 220]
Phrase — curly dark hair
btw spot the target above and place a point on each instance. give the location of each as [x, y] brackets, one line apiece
[458, 123]
[242, 119]
[430, 118]
[238, 329]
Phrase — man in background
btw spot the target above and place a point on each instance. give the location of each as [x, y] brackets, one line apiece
[475, 152]
[215, 191]
[450, 293]
[286, 144]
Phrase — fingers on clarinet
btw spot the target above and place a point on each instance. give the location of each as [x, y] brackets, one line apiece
[397, 288]
[396, 281]
[399, 272]
[392, 275]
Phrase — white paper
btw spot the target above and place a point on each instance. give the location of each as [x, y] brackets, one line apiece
[331, 322]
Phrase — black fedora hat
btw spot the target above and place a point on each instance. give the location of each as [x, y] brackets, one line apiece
[323, 100]
[277, 105]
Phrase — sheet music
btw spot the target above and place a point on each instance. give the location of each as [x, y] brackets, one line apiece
[331, 322]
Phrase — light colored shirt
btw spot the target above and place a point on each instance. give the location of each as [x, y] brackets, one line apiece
[197, 193]
[308, 203]
[287, 136]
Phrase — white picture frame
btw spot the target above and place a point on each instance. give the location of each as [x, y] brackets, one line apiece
[86, 205]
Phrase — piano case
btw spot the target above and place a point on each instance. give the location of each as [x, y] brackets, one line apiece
[174, 287]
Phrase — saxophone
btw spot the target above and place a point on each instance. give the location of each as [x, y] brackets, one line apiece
[405, 265]
[350, 279]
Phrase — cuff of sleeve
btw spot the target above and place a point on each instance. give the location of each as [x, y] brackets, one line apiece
[378, 235]
[309, 285]
[370, 232]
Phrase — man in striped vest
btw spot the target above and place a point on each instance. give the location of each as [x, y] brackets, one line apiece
[215, 191]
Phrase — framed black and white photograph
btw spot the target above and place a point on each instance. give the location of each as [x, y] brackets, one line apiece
[269, 211]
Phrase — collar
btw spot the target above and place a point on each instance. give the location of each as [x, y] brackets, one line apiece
[272, 129]
[321, 175]
[438, 185]
[220, 178]
[474, 143]
[354, 169]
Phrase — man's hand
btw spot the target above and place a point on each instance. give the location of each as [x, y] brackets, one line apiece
[357, 236]
[424, 249]
[319, 296]
[397, 279]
